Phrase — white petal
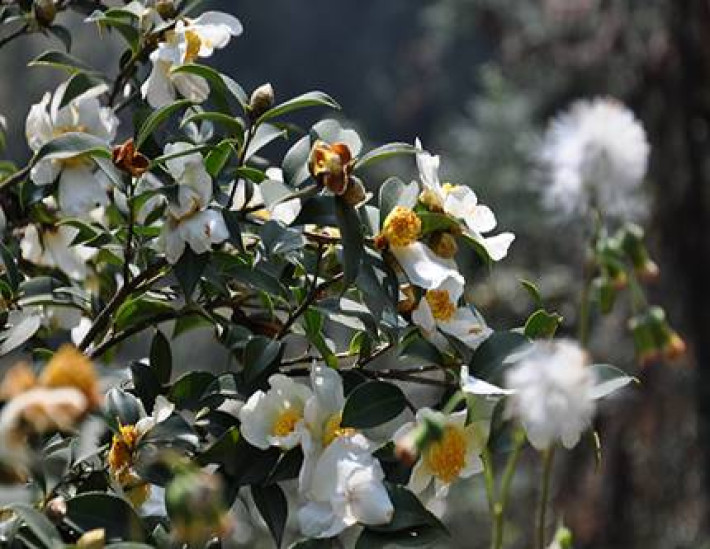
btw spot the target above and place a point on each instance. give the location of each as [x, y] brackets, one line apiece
[192, 87]
[45, 172]
[474, 386]
[158, 89]
[80, 191]
[328, 388]
[38, 127]
[423, 267]
[369, 500]
[496, 246]
[317, 520]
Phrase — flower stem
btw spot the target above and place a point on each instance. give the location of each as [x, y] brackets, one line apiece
[547, 462]
[506, 482]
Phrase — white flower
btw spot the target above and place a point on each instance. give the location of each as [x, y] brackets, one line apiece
[596, 152]
[192, 38]
[285, 212]
[347, 490]
[438, 310]
[162, 410]
[81, 186]
[402, 229]
[461, 202]
[189, 221]
[456, 455]
[274, 418]
[554, 393]
[52, 248]
[472, 385]
[148, 16]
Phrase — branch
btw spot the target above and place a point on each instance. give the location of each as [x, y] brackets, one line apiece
[307, 302]
[15, 178]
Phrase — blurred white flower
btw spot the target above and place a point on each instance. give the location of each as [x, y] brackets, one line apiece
[347, 490]
[596, 153]
[457, 454]
[554, 393]
[275, 417]
[438, 311]
[82, 187]
[191, 39]
[51, 247]
[460, 202]
[189, 220]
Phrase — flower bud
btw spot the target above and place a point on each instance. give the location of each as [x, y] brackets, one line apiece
[44, 11]
[444, 245]
[93, 539]
[354, 192]
[166, 9]
[654, 338]
[410, 446]
[127, 159]
[633, 245]
[196, 507]
[262, 99]
[605, 292]
[409, 302]
[56, 509]
[563, 539]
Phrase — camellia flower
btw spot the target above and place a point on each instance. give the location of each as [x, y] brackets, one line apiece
[400, 234]
[50, 246]
[347, 490]
[596, 152]
[124, 446]
[455, 454]
[189, 220]
[460, 202]
[556, 392]
[274, 418]
[331, 165]
[438, 311]
[82, 187]
[191, 39]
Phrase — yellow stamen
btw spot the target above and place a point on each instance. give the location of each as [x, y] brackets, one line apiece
[447, 457]
[333, 429]
[193, 46]
[285, 423]
[442, 308]
[123, 446]
[402, 227]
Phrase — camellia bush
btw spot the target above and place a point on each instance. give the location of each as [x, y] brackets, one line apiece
[148, 207]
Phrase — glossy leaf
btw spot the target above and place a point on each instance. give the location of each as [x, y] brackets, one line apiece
[310, 99]
[372, 404]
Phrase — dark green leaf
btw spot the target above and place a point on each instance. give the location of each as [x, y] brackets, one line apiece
[98, 510]
[352, 240]
[13, 273]
[146, 384]
[295, 163]
[138, 310]
[310, 99]
[38, 524]
[230, 123]
[542, 325]
[409, 512]
[265, 134]
[156, 118]
[432, 222]
[261, 357]
[317, 210]
[489, 360]
[383, 153]
[63, 34]
[161, 357]
[222, 87]
[372, 404]
[188, 270]
[218, 157]
[19, 333]
[534, 292]
[231, 220]
[272, 504]
[70, 145]
[121, 407]
[61, 60]
[188, 390]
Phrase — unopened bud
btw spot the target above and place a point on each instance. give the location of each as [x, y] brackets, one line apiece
[444, 245]
[355, 192]
[563, 539]
[606, 293]
[262, 99]
[45, 11]
[431, 200]
[93, 539]
[166, 9]
[409, 447]
[56, 509]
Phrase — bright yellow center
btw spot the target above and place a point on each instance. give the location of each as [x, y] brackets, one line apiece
[286, 422]
[447, 457]
[120, 456]
[193, 46]
[442, 308]
[71, 368]
[402, 227]
[333, 429]
[448, 187]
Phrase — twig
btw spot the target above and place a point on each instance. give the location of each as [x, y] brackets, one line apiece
[15, 178]
[307, 302]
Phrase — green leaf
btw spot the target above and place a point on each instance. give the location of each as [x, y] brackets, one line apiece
[317, 210]
[422, 536]
[38, 524]
[383, 153]
[609, 379]
[394, 192]
[119, 20]
[310, 99]
[295, 162]
[218, 157]
[19, 333]
[61, 60]
[188, 270]
[14, 277]
[432, 222]
[230, 123]
[231, 220]
[156, 118]
[409, 512]
[138, 310]
[272, 504]
[99, 510]
[542, 325]
[62, 34]
[352, 240]
[121, 407]
[264, 134]
[490, 360]
[221, 86]
[261, 355]
[331, 131]
[161, 357]
[372, 404]
[534, 292]
[188, 390]
[288, 466]
[146, 384]
[70, 145]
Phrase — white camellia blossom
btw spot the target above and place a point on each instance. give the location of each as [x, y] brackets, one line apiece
[285, 212]
[189, 219]
[348, 489]
[402, 230]
[438, 310]
[190, 40]
[457, 454]
[556, 392]
[595, 153]
[51, 247]
[461, 202]
[275, 417]
[82, 187]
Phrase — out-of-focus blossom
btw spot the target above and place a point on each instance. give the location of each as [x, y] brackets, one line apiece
[595, 154]
[82, 187]
[348, 489]
[50, 246]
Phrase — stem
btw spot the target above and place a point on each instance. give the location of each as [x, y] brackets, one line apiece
[128, 250]
[489, 479]
[548, 460]
[307, 302]
[251, 130]
[506, 482]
